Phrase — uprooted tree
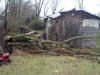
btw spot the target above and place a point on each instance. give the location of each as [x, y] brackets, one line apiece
[40, 44]
[53, 47]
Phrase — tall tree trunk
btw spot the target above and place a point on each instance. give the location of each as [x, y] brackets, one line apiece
[19, 10]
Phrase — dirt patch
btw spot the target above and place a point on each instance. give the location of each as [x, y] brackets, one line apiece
[19, 52]
[27, 52]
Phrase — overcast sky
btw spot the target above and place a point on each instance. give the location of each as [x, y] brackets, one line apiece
[89, 5]
[2, 4]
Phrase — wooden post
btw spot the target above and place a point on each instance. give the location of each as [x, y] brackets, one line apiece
[2, 33]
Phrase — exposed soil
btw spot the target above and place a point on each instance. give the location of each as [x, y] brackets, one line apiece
[27, 52]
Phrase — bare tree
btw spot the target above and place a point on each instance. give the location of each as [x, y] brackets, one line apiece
[80, 2]
[38, 7]
[18, 7]
[7, 4]
[47, 6]
[55, 4]
[28, 11]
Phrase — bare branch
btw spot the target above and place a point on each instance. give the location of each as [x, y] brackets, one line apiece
[55, 5]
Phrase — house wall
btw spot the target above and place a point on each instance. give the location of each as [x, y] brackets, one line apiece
[63, 27]
[67, 26]
[90, 27]
[1, 33]
[49, 29]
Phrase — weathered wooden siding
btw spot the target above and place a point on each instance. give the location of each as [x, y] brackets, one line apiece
[68, 29]
[68, 25]
[63, 27]
[50, 28]
[1, 33]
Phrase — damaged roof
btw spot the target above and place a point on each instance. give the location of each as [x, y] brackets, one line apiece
[73, 10]
[82, 11]
[54, 15]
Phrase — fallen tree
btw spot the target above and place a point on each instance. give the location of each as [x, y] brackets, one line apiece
[53, 47]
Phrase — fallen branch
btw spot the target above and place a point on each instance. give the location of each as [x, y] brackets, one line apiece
[46, 45]
[79, 37]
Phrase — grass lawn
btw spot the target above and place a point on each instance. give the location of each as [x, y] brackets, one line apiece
[49, 65]
[99, 40]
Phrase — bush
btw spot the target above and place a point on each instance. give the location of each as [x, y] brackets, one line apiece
[14, 24]
[37, 25]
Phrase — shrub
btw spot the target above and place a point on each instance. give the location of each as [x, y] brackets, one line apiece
[37, 25]
[14, 24]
